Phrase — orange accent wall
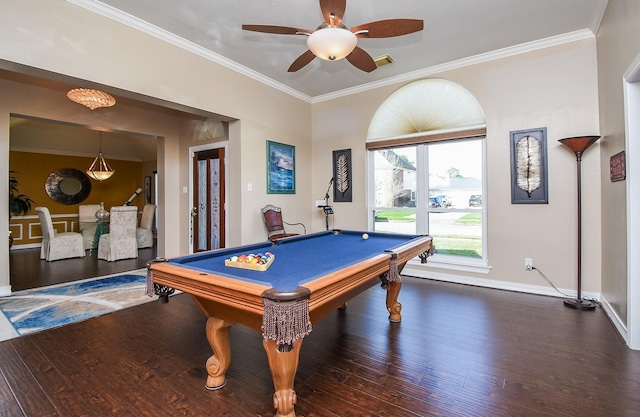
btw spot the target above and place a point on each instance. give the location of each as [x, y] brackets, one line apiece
[33, 169]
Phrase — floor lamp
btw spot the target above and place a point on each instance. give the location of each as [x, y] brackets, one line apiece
[578, 145]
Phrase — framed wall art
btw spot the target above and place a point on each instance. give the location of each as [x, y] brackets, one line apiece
[147, 190]
[529, 183]
[281, 168]
[342, 188]
[617, 168]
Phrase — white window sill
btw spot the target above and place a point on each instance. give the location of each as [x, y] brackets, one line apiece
[452, 263]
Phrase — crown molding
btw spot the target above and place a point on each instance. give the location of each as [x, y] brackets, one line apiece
[138, 24]
[461, 63]
[598, 16]
[132, 21]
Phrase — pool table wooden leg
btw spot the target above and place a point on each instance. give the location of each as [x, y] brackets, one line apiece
[283, 367]
[393, 306]
[218, 363]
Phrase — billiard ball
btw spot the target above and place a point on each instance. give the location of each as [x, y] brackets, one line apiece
[365, 236]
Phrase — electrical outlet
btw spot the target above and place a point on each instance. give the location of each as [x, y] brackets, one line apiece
[528, 264]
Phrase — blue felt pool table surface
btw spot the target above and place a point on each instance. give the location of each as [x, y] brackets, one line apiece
[298, 259]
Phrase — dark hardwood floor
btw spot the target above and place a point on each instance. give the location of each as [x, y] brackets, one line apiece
[27, 270]
[459, 351]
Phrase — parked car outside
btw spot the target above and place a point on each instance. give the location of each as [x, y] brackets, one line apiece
[475, 200]
[433, 202]
[443, 200]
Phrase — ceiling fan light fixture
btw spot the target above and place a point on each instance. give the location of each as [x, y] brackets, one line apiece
[332, 43]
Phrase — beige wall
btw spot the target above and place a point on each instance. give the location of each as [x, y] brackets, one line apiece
[62, 38]
[553, 88]
[618, 44]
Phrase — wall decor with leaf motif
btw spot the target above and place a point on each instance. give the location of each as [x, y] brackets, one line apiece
[342, 184]
[529, 166]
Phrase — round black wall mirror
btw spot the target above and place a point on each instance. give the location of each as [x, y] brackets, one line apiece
[68, 186]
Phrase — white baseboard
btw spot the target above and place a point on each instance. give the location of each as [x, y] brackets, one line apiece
[28, 246]
[417, 271]
[619, 325]
[6, 290]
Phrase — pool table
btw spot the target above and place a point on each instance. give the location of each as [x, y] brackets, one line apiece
[310, 276]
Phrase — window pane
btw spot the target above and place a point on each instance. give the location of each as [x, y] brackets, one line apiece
[451, 210]
[455, 174]
[457, 233]
[395, 221]
[395, 177]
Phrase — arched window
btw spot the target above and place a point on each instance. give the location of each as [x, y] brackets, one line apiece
[426, 168]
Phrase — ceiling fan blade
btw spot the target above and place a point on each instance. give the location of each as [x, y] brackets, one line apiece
[280, 30]
[333, 7]
[301, 61]
[361, 60]
[389, 28]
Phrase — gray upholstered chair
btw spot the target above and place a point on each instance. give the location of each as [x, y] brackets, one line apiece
[144, 232]
[88, 222]
[120, 242]
[272, 217]
[58, 245]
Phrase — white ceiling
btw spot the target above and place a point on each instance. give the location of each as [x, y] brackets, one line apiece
[454, 30]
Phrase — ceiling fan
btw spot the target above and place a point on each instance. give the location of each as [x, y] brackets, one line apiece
[333, 41]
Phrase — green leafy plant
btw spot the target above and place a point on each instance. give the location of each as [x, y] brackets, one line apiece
[19, 204]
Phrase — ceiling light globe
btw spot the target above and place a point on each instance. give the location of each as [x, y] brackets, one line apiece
[332, 43]
[92, 99]
[100, 175]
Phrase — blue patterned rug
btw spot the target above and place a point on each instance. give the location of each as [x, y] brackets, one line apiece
[44, 308]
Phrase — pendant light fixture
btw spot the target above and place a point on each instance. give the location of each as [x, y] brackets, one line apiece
[100, 169]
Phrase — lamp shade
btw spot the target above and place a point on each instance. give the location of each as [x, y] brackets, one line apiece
[332, 43]
[579, 144]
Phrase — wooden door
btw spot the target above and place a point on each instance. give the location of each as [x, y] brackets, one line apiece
[208, 216]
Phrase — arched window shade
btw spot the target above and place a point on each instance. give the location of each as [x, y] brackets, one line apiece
[432, 109]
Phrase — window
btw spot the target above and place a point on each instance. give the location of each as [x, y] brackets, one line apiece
[434, 188]
[426, 169]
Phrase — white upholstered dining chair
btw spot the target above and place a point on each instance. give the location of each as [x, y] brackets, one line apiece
[144, 232]
[88, 222]
[120, 242]
[58, 245]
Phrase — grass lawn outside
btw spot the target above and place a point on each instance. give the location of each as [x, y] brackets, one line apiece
[470, 218]
[458, 245]
[396, 216]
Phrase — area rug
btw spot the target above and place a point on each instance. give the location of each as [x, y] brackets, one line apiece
[44, 308]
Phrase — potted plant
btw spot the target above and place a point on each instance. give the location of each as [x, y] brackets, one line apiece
[19, 204]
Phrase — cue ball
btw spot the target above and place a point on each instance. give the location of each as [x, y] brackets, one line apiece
[365, 236]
